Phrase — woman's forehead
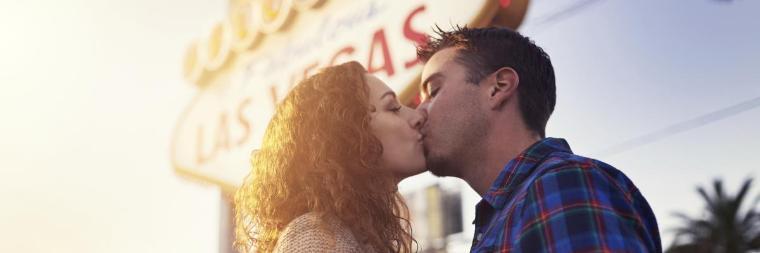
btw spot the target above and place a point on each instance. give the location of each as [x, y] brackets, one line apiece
[376, 87]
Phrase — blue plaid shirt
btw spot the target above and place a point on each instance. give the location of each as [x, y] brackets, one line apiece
[549, 200]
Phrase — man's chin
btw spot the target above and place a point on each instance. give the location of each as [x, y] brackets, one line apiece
[439, 169]
[438, 173]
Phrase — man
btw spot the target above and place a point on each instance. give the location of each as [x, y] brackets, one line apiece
[488, 94]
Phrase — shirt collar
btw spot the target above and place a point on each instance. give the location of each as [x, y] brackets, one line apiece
[517, 169]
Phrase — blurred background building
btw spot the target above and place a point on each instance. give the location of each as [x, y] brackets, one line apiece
[125, 124]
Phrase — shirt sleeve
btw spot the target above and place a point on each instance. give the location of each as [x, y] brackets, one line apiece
[580, 209]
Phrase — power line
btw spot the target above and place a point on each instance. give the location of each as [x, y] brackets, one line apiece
[565, 13]
[580, 6]
[681, 127]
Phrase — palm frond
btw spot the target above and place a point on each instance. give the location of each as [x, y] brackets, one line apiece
[723, 227]
[737, 201]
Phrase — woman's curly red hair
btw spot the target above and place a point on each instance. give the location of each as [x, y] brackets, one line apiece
[319, 155]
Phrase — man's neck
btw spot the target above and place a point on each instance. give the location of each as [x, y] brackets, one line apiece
[498, 152]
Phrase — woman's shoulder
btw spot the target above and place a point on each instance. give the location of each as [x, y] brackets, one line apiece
[308, 221]
[311, 232]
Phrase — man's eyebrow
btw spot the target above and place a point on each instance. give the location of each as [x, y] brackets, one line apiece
[424, 85]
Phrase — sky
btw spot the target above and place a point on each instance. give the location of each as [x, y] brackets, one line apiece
[666, 91]
[91, 91]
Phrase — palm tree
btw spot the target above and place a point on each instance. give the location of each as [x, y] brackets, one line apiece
[724, 228]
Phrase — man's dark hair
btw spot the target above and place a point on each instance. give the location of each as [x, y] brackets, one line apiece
[485, 50]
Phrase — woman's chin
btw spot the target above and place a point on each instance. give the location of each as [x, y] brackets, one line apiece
[411, 172]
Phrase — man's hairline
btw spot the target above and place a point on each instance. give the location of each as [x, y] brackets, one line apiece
[459, 57]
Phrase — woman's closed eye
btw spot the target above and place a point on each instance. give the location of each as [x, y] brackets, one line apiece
[395, 109]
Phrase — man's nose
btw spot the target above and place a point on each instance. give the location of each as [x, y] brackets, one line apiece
[423, 107]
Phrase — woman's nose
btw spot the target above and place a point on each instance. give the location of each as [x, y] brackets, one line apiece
[418, 118]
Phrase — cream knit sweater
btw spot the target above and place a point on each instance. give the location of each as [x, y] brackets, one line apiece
[308, 234]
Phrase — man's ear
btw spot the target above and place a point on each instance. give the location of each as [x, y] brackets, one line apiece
[503, 86]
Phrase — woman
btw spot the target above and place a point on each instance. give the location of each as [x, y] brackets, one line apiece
[325, 177]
